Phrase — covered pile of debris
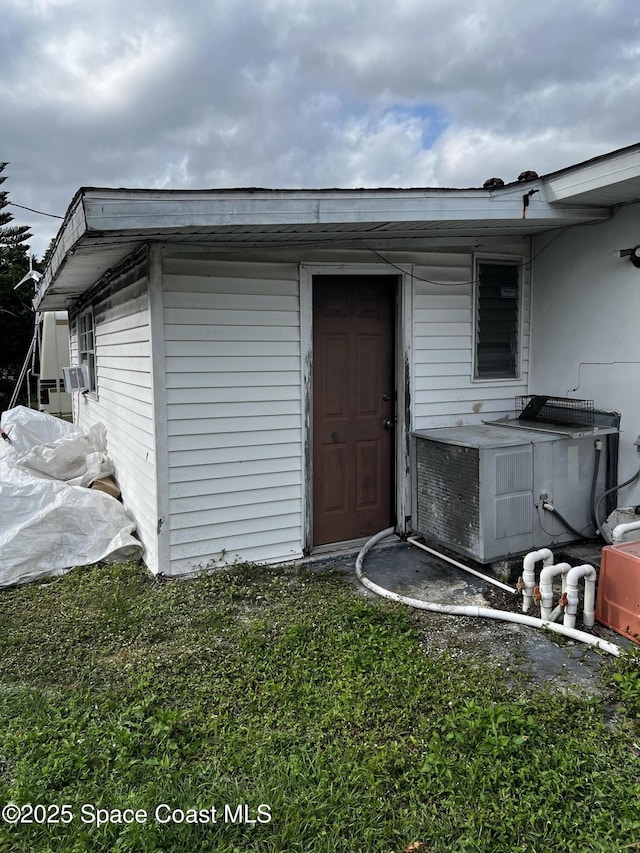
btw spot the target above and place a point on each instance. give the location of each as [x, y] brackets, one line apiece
[50, 518]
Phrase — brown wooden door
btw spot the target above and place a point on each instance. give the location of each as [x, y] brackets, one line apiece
[353, 406]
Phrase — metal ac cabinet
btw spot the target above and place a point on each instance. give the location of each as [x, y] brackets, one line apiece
[477, 489]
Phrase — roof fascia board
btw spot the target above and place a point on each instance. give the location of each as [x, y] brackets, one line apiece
[73, 229]
[98, 217]
[149, 213]
[604, 172]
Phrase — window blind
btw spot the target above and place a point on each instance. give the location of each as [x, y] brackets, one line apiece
[497, 308]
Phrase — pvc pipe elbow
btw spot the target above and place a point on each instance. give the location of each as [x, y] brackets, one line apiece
[589, 574]
[528, 573]
[546, 586]
[585, 571]
[533, 557]
[620, 530]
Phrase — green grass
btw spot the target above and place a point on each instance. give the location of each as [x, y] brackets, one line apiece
[287, 689]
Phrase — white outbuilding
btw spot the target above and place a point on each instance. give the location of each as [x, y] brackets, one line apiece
[261, 358]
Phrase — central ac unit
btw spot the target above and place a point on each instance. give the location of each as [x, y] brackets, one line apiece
[479, 490]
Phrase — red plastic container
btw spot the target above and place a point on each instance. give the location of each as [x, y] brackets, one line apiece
[618, 597]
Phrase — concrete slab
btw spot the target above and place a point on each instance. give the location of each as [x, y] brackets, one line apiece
[542, 658]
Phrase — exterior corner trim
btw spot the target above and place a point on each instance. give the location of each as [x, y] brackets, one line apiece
[159, 392]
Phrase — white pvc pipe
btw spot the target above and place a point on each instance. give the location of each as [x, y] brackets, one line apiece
[462, 566]
[556, 613]
[547, 575]
[465, 610]
[528, 574]
[620, 530]
[588, 614]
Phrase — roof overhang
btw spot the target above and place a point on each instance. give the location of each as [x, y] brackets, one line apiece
[104, 226]
[607, 181]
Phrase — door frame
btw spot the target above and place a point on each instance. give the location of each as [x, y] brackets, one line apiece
[402, 378]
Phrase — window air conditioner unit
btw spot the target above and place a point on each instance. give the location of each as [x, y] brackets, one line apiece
[76, 378]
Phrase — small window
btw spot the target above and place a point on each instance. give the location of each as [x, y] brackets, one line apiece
[86, 346]
[497, 312]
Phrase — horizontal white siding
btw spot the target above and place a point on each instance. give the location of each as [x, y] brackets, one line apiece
[234, 397]
[444, 390]
[234, 411]
[124, 401]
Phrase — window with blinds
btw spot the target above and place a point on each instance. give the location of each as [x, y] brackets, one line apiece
[497, 316]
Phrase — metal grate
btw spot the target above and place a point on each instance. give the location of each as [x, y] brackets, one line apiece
[448, 494]
[563, 411]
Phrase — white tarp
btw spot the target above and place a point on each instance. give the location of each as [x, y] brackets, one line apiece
[49, 521]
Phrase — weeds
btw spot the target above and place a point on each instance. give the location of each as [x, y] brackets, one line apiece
[627, 679]
[311, 713]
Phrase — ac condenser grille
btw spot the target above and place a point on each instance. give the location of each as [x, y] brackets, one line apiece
[513, 471]
[475, 490]
[448, 494]
[513, 515]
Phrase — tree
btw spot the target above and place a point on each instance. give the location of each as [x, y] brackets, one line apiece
[10, 235]
[16, 312]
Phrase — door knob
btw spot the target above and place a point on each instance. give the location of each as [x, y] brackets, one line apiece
[387, 423]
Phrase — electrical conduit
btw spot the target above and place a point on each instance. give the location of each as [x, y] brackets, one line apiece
[594, 484]
[468, 610]
[549, 507]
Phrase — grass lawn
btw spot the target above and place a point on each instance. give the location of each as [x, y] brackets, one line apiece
[313, 714]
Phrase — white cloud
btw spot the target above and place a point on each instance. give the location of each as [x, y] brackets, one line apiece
[307, 92]
[377, 152]
[97, 74]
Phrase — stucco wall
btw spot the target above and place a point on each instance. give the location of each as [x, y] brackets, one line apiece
[585, 336]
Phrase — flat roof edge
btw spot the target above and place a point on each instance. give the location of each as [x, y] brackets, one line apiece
[73, 228]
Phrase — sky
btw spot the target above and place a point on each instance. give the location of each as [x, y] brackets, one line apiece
[306, 93]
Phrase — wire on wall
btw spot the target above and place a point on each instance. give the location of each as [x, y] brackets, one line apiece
[597, 364]
[415, 277]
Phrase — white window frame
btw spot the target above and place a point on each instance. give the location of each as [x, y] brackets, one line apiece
[497, 260]
[86, 331]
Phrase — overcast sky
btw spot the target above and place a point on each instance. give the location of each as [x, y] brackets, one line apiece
[306, 93]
